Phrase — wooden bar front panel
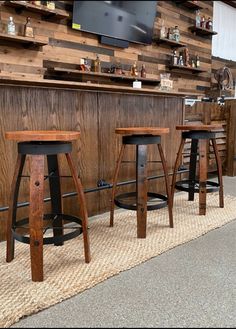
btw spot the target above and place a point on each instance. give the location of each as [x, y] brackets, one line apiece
[95, 115]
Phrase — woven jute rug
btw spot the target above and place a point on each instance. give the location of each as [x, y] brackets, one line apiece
[113, 250]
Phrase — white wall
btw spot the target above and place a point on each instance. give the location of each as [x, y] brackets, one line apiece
[224, 22]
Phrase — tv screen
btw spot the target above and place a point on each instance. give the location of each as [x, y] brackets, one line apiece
[125, 20]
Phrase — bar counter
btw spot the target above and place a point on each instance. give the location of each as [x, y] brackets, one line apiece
[95, 110]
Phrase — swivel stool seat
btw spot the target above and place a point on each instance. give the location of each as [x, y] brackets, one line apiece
[141, 137]
[200, 136]
[36, 145]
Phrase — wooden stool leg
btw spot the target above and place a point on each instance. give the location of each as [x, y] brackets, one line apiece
[203, 143]
[177, 163]
[13, 206]
[114, 183]
[56, 198]
[36, 211]
[83, 207]
[219, 172]
[167, 183]
[141, 190]
[192, 169]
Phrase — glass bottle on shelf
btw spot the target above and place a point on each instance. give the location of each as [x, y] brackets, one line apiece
[134, 70]
[176, 34]
[203, 22]
[181, 61]
[143, 71]
[198, 19]
[209, 24]
[28, 29]
[97, 65]
[11, 28]
[174, 58]
[197, 61]
[87, 65]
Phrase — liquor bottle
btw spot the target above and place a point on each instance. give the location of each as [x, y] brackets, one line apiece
[181, 61]
[198, 18]
[51, 5]
[203, 22]
[176, 34]
[174, 58]
[197, 61]
[28, 30]
[134, 70]
[209, 24]
[11, 28]
[143, 71]
[97, 65]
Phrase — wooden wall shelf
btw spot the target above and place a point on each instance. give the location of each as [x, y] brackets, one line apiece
[189, 4]
[43, 10]
[201, 31]
[26, 41]
[172, 43]
[68, 74]
[186, 68]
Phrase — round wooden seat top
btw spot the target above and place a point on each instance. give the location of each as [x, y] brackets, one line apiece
[42, 135]
[199, 127]
[142, 131]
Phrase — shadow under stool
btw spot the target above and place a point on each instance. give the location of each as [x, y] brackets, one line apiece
[141, 137]
[200, 136]
[36, 145]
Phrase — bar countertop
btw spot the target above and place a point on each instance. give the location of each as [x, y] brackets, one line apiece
[59, 84]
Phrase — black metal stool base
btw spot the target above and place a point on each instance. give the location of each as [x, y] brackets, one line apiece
[59, 239]
[187, 186]
[123, 201]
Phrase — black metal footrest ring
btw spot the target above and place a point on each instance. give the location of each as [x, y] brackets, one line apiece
[186, 185]
[120, 201]
[50, 240]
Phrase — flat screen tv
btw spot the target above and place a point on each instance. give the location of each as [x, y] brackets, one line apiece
[125, 20]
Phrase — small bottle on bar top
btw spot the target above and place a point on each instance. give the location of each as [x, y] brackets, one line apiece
[28, 30]
[11, 28]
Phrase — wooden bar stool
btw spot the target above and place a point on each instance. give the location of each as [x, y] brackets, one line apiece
[37, 145]
[141, 137]
[200, 136]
